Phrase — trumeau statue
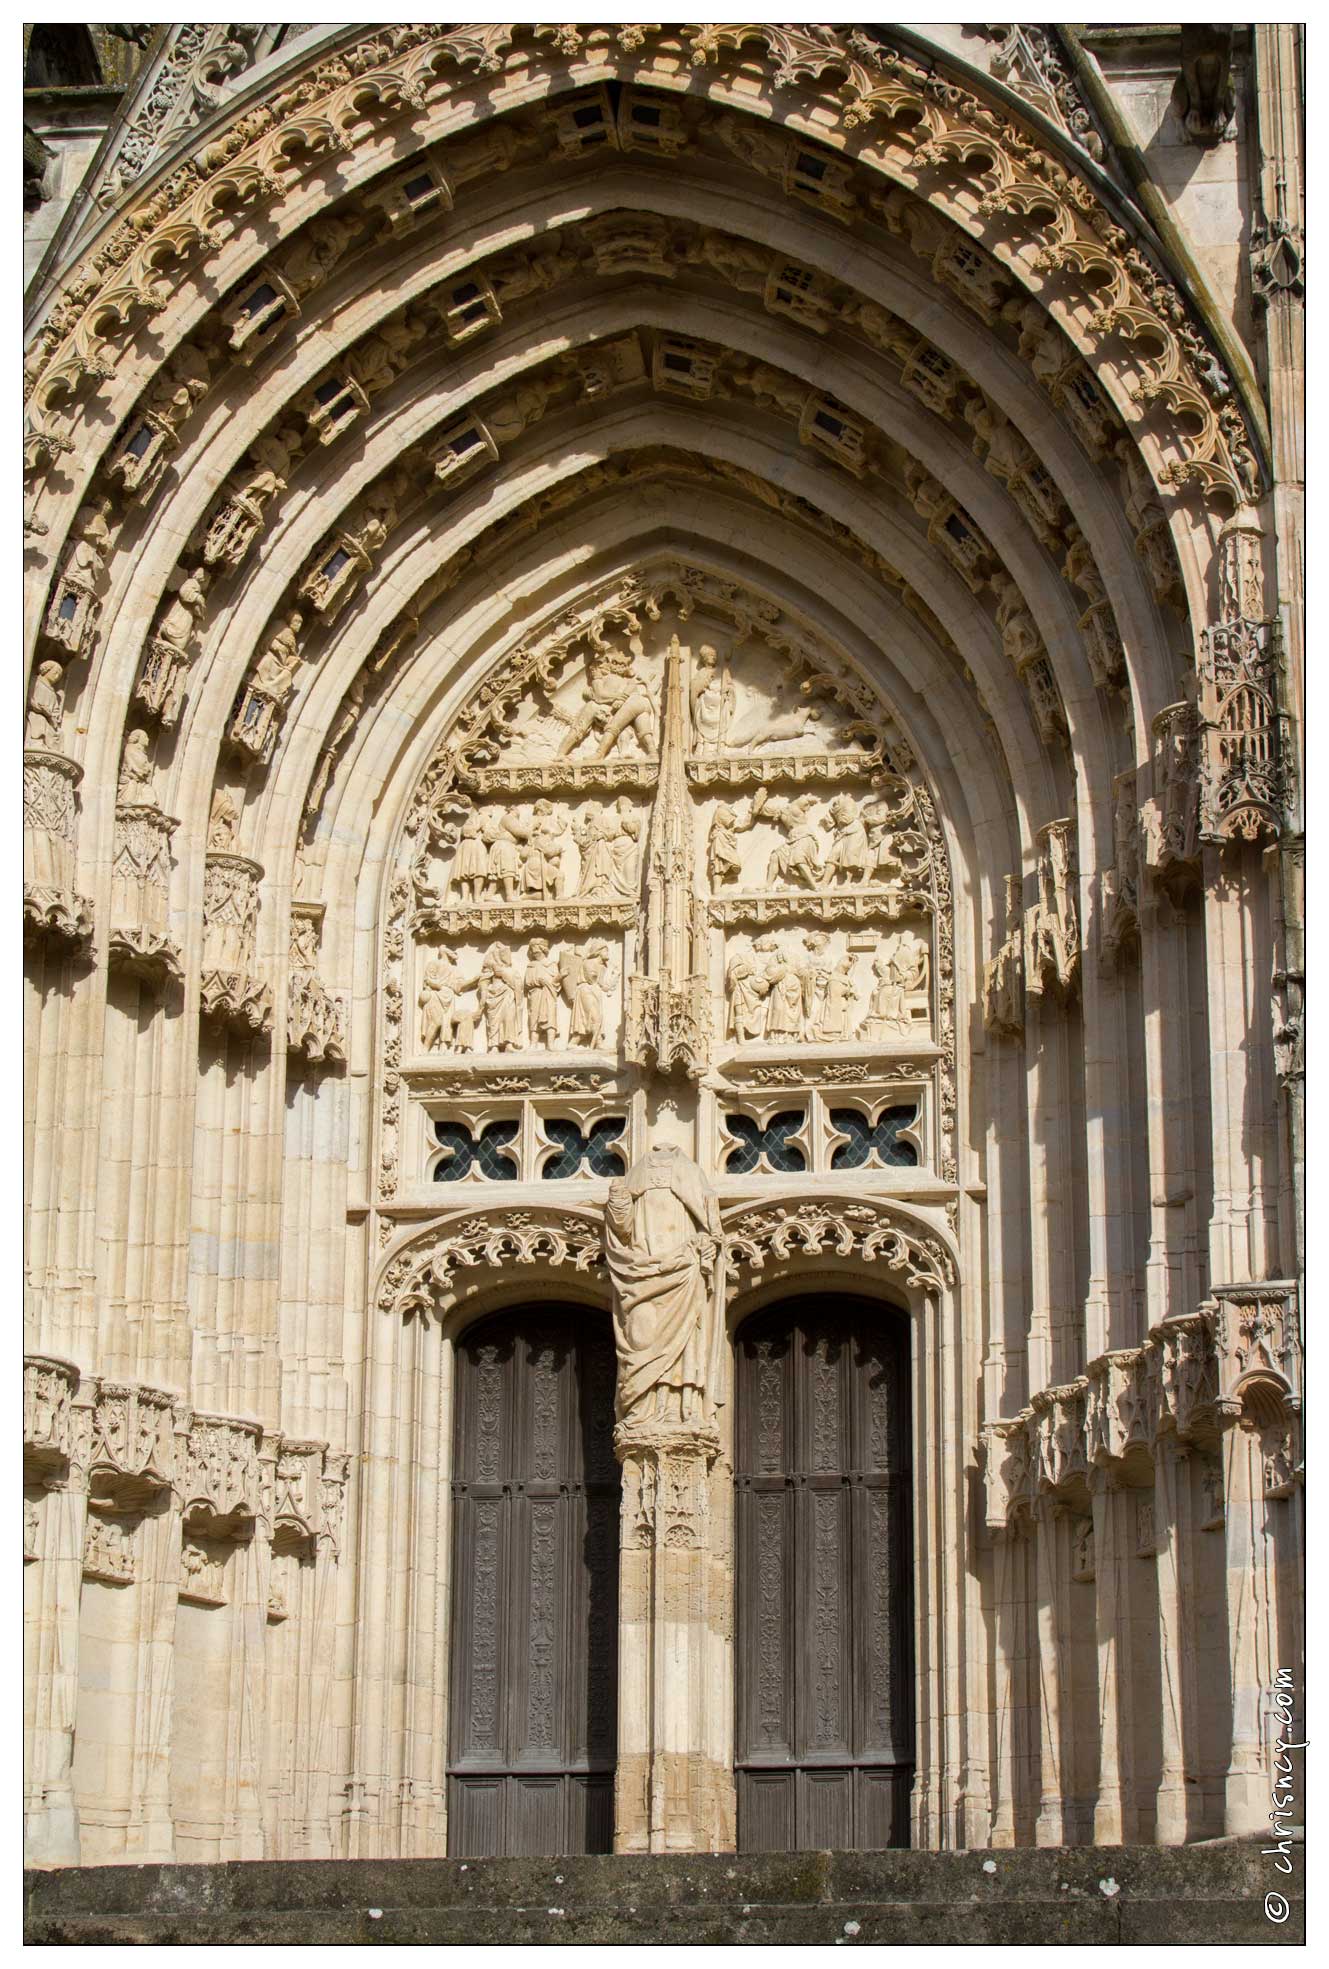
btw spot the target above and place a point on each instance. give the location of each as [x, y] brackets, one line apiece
[666, 1259]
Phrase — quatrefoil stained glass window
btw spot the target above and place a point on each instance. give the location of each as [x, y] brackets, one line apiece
[592, 1154]
[766, 1147]
[880, 1137]
[487, 1155]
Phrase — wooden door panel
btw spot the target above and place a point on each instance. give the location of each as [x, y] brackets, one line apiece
[823, 1553]
[535, 1587]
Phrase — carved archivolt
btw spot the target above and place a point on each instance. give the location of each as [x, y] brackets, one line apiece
[916, 126]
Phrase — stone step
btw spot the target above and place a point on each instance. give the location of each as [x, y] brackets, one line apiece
[1136, 1895]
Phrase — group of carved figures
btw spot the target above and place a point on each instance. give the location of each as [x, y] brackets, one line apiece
[778, 994]
[867, 842]
[515, 1007]
[516, 857]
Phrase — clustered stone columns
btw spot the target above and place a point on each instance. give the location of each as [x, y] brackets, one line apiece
[166, 1545]
[1109, 1483]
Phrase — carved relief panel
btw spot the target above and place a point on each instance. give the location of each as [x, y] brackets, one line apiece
[671, 834]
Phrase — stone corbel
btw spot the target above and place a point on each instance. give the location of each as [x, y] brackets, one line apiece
[48, 1416]
[140, 942]
[133, 1448]
[221, 1487]
[52, 910]
[230, 994]
[1256, 1338]
[315, 1017]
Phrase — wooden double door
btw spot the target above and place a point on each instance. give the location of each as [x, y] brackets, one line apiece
[535, 1514]
[825, 1737]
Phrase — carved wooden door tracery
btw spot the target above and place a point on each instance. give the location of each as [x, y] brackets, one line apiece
[535, 1586]
[825, 1731]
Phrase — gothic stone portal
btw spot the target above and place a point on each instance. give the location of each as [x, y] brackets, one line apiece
[825, 1752]
[535, 1587]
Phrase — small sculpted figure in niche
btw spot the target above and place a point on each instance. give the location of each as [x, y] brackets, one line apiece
[581, 977]
[617, 701]
[92, 542]
[136, 769]
[608, 845]
[182, 613]
[746, 986]
[786, 988]
[834, 1020]
[712, 697]
[443, 1023]
[503, 875]
[665, 1249]
[223, 822]
[723, 861]
[798, 857]
[540, 985]
[500, 999]
[851, 858]
[900, 968]
[470, 864]
[46, 708]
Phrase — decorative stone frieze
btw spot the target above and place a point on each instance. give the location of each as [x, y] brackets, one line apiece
[231, 994]
[52, 909]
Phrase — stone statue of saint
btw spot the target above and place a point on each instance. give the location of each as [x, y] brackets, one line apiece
[666, 1259]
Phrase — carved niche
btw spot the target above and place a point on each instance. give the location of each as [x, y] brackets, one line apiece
[231, 993]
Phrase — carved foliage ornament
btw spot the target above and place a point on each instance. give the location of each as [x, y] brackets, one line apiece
[418, 1279]
[918, 119]
[872, 1233]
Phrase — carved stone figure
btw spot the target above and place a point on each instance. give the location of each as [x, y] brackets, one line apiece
[180, 618]
[712, 697]
[723, 861]
[546, 839]
[442, 1020]
[617, 701]
[833, 1020]
[505, 859]
[798, 859]
[608, 843]
[900, 969]
[46, 708]
[746, 987]
[223, 822]
[851, 858]
[665, 1251]
[581, 977]
[136, 768]
[786, 990]
[500, 1000]
[470, 864]
[540, 986]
